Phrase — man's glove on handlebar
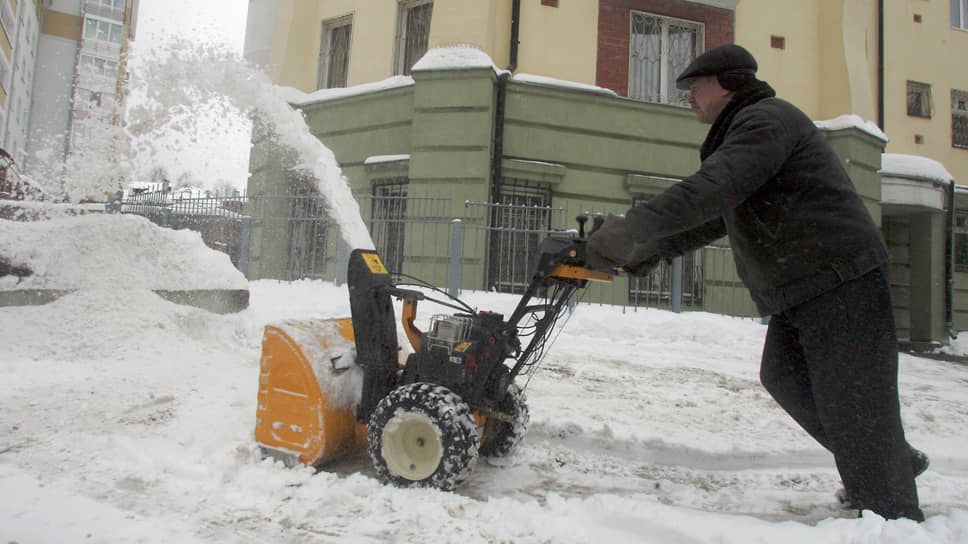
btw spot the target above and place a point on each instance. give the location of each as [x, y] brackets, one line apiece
[610, 245]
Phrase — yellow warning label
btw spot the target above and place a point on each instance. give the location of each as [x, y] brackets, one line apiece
[374, 264]
[462, 347]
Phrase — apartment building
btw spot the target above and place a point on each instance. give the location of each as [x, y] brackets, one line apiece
[20, 25]
[896, 64]
[80, 78]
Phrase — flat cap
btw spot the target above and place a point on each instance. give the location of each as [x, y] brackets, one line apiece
[730, 59]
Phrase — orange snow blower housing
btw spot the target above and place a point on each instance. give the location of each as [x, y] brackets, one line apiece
[330, 386]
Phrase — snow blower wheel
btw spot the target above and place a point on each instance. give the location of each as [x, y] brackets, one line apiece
[500, 435]
[423, 435]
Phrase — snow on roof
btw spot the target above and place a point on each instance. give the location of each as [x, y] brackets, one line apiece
[459, 57]
[913, 166]
[299, 98]
[544, 81]
[115, 251]
[852, 121]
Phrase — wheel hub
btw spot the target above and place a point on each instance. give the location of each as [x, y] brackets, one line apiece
[411, 446]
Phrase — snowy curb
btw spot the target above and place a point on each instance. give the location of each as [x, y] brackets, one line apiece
[219, 301]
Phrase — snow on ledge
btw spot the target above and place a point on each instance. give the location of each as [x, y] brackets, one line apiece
[852, 121]
[299, 98]
[544, 81]
[377, 159]
[458, 57]
[913, 166]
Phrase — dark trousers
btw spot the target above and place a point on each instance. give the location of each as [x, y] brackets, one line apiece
[831, 363]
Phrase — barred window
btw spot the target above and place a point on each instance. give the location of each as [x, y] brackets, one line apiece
[961, 240]
[520, 218]
[918, 99]
[660, 48]
[655, 289]
[334, 52]
[388, 220]
[413, 33]
[959, 119]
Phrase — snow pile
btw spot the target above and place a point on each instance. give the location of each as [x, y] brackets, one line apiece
[852, 121]
[112, 252]
[646, 426]
[913, 166]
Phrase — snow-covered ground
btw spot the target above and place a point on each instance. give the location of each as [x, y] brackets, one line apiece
[127, 418]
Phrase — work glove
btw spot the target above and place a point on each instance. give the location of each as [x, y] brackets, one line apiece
[610, 245]
[642, 260]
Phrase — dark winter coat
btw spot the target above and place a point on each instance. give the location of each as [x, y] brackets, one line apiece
[769, 180]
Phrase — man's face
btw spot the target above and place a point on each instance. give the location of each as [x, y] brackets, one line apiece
[707, 98]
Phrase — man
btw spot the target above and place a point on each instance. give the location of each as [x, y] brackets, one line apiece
[811, 257]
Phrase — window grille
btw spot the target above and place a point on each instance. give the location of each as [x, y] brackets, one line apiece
[334, 52]
[388, 221]
[660, 48]
[959, 119]
[918, 99]
[413, 33]
[959, 14]
[961, 240]
[520, 218]
[308, 229]
[655, 289]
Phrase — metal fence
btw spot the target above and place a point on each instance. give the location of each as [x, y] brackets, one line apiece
[483, 246]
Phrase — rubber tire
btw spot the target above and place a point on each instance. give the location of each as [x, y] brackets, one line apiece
[423, 435]
[501, 437]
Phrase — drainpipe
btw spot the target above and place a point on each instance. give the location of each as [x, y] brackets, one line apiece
[949, 263]
[880, 64]
[502, 83]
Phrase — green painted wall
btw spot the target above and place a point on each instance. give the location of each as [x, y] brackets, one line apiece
[596, 152]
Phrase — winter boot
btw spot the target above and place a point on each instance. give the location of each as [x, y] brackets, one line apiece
[919, 464]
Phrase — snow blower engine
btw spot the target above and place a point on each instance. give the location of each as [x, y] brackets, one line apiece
[329, 386]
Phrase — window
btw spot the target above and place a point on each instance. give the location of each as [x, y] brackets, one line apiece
[660, 48]
[96, 29]
[520, 218]
[413, 32]
[4, 72]
[961, 240]
[959, 14]
[388, 221]
[918, 99]
[7, 18]
[959, 119]
[99, 66]
[334, 52]
[655, 289]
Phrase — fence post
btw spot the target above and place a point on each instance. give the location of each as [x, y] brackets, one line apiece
[244, 238]
[456, 236]
[166, 217]
[342, 258]
[676, 289]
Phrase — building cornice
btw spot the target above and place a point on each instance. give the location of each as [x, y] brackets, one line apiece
[722, 4]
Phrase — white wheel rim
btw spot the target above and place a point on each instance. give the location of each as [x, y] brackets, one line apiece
[411, 446]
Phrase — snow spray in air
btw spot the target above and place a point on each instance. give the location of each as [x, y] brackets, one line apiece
[188, 77]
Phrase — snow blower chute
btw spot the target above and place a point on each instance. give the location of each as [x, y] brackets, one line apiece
[327, 387]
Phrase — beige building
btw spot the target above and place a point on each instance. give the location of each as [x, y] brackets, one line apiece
[899, 64]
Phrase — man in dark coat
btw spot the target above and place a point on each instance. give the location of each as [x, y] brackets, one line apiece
[812, 258]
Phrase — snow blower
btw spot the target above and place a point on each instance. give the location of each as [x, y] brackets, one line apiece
[328, 387]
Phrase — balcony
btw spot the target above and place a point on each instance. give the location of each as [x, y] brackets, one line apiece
[94, 7]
